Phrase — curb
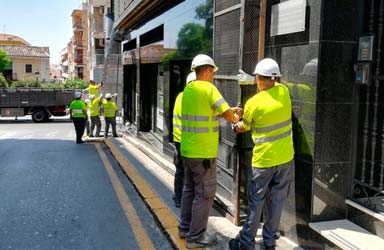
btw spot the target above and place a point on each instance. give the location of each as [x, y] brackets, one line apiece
[162, 213]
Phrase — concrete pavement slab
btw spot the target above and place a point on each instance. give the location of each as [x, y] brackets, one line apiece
[217, 224]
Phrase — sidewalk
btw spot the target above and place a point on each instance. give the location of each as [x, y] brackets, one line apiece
[152, 174]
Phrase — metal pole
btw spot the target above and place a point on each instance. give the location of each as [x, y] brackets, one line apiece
[117, 77]
[262, 13]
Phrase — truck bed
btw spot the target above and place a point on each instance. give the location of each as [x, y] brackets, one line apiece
[28, 97]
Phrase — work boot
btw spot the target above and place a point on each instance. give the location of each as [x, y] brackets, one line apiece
[205, 241]
[182, 234]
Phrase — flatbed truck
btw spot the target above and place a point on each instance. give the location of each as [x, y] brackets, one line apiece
[40, 103]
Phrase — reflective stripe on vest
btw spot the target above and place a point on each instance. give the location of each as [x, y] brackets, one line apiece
[272, 127]
[198, 118]
[177, 118]
[271, 138]
[218, 103]
[77, 111]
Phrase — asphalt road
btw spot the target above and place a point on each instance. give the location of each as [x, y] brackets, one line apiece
[56, 194]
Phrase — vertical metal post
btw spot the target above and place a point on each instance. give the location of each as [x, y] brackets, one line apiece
[262, 14]
[367, 108]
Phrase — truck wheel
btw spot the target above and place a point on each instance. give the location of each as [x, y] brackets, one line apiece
[39, 115]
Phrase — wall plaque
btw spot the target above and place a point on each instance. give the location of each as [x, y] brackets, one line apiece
[288, 17]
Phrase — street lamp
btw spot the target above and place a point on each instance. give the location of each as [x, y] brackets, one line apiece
[37, 77]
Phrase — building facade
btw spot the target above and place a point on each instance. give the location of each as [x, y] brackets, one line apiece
[96, 11]
[74, 58]
[80, 44]
[330, 55]
[27, 62]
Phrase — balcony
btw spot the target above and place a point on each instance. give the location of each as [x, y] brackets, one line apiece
[78, 44]
[78, 61]
[77, 27]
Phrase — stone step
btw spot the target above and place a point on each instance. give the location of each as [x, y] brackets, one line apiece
[347, 235]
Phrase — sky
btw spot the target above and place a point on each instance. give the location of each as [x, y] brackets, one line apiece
[45, 23]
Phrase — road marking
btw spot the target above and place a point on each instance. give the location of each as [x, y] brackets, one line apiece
[166, 218]
[140, 234]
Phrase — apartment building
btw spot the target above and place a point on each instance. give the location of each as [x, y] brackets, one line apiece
[97, 42]
[79, 44]
[27, 62]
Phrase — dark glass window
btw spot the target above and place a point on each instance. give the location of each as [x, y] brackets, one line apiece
[28, 68]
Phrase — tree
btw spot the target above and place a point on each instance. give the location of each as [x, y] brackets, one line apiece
[4, 60]
[194, 38]
[191, 39]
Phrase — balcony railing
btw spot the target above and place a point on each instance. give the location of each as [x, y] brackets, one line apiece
[77, 26]
[79, 60]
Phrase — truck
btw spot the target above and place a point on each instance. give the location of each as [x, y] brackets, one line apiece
[40, 103]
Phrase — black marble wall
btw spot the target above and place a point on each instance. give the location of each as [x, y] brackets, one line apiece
[317, 65]
[333, 140]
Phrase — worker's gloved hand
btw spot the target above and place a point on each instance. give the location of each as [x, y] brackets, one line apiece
[101, 95]
[115, 94]
[233, 126]
[244, 78]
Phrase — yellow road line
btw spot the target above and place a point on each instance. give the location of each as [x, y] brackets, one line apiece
[166, 218]
[140, 234]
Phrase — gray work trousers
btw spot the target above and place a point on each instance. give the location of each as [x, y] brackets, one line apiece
[267, 188]
[178, 182]
[95, 122]
[110, 121]
[197, 199]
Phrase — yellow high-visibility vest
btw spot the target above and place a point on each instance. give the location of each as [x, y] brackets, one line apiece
[93, 90]
[268, 114]
[77, 107]
[94, 107]
[177, 118]
[110, 108]
[201, 105]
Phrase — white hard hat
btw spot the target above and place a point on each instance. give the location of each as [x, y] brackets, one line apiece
[310, 68]
[77, 95]
[108, 95]
[191, 77]
[267, 67]
[91, 97]
[201, 60]
[86, 101]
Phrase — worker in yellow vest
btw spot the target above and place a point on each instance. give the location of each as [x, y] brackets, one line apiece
[93, 88]
[110, 110]
[78, 114]
[202, 104]
[87, 123]
[268, 115]
[177, 159]
[95, 114]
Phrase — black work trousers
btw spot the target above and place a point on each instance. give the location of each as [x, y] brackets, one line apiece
[79, 123]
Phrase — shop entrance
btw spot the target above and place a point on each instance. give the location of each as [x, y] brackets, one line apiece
[129, 96]
[368, 180]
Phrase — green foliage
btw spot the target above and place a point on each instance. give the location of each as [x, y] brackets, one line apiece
[194, 38]
[69, 84]
[4, 60]
[3, 81]
[75, 84]
[191, 40]
[167, 57]
[205, 12]
[25, 84]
